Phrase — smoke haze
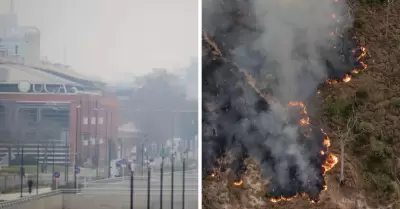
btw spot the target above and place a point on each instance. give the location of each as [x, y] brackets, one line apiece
[292, 43]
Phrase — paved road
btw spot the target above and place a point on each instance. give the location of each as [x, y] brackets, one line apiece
[120, 189]
[115, 193]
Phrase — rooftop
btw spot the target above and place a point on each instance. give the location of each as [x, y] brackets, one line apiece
[14, 70]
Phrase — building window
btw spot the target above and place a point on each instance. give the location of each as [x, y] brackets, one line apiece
[92, 140]
[100, 120]
[85, 120]
[93, 121]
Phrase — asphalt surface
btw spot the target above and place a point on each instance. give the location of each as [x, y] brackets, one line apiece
[120, 187]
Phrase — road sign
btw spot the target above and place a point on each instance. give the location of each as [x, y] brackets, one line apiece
[164, 152]
[56, 174]
[77, 170]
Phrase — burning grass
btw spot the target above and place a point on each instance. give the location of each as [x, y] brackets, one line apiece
[232, 129]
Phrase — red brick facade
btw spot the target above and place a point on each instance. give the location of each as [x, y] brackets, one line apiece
[106, 108]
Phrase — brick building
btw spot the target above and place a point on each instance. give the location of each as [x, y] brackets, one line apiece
[45, 105]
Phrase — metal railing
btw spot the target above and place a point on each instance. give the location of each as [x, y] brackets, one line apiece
[156, 190]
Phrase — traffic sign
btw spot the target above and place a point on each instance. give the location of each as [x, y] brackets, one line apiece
[77, 170]
[56, 174]
[164, 152]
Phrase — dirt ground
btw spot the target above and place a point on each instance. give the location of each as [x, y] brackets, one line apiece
[371, 102]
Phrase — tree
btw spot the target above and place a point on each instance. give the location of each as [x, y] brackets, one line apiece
[160, 107]
[345, 138]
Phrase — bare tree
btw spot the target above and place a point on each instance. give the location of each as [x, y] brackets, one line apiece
[345, 138]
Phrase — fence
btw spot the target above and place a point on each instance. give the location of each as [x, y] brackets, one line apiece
[154, 190]
[12, 183]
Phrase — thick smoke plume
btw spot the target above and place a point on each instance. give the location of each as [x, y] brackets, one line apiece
[258, 56]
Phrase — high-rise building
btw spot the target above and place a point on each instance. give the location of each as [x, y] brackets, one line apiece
[18, 43]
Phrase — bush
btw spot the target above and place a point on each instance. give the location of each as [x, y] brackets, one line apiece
[361, 94]
[395, 102]
[340, 108]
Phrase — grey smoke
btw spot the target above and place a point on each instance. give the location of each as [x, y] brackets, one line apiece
[292, 35]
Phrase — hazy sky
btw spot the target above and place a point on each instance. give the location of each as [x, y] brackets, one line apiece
[109, 38]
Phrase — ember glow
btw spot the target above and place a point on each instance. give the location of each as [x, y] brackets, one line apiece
[238, 183]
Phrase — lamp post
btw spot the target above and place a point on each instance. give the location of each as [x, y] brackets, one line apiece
[161, 176]
[78, 108]
[149, 163]
[172, 180]
[132, 169]
[183, 177]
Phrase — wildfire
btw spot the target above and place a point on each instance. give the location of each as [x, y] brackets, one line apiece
[275, 200]
[305, 120]
[331, 160]
[347, 78]
[238, 183]
[329, 163]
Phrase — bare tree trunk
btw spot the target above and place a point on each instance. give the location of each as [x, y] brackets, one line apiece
[341, 179]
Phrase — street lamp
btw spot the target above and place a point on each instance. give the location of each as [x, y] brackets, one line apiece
[149, 165]
[132, 169]
[78, 108]
[172, 179]
[183, 177]
[162, 175]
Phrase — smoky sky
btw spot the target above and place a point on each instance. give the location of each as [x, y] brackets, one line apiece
[113, 39]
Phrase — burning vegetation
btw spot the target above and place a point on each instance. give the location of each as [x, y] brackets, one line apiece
[259, 68]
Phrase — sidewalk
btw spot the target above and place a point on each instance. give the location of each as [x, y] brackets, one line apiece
[16, 196]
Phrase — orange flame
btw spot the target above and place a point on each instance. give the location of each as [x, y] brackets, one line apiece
[347, 78]
[279, 199]
[330, 162]
[305, 120]
[238, 183]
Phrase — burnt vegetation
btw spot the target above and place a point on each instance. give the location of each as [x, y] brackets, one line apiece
[237, 99]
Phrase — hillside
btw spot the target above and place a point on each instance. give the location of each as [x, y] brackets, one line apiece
[362, 112]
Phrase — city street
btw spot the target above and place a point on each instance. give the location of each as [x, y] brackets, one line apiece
[120, 190]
